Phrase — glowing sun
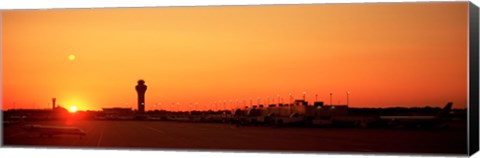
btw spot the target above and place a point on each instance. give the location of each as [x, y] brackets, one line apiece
[73, 108]
[71, 57]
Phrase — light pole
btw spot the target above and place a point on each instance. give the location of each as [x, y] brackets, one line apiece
[278, 99]
[291, 97]
[213, 105]
[224, 104]
[236, 104]
[268, 101]
[316, 97]
[348, 93]
[304, 94]
[331, 99]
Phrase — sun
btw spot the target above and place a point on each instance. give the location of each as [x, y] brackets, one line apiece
[73, 109]
[71, 57]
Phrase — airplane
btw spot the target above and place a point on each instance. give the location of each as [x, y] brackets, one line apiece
[44, 130]
[438, 120]
[10, 123]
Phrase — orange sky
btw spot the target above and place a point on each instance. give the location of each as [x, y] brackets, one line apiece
[385, 54]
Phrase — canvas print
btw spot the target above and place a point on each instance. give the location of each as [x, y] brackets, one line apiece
[358, 78]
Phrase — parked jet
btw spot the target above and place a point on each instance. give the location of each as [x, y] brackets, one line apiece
[10, 123]
[44, 130]
[438, 120]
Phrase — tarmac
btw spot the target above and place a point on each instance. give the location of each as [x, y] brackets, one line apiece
[169, 135]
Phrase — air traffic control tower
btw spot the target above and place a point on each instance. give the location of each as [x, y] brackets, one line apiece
[141, 88]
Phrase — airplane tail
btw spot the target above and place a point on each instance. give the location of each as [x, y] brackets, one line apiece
[446, 110]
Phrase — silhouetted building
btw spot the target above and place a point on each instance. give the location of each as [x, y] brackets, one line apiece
[117, 110]
[301, 103]
[318, 103]
[36, 114]
[141, 88]
[332, 110]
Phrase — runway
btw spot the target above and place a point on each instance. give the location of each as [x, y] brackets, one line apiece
[211, 136]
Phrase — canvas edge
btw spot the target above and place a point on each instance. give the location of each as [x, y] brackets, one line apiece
[473, 106]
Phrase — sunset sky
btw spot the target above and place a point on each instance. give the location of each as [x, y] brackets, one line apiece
[385, 54]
